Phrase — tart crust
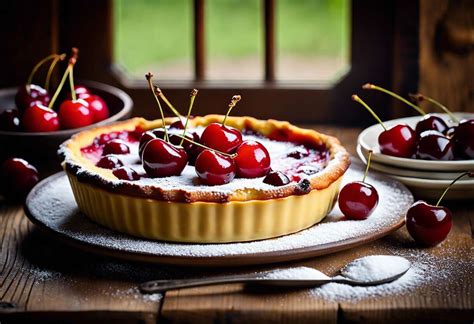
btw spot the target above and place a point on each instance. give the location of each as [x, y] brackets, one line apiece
[202, 216]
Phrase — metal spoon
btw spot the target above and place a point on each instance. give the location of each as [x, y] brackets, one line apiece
[348, 276]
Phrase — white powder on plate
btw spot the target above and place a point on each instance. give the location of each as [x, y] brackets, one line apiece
[53, 205]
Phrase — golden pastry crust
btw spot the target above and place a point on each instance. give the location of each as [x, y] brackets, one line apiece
[79, 166]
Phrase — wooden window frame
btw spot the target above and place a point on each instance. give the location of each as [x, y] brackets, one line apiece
[384, 50]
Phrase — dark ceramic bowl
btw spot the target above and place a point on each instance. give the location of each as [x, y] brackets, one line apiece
[40, 148]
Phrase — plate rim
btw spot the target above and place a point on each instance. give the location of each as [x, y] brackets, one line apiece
[259, 258]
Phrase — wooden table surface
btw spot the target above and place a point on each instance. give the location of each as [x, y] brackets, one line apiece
[42, 280]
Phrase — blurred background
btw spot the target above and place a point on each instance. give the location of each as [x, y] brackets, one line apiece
[298, 60]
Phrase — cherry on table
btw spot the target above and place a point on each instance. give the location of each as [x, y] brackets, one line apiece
[75, 114]
[463, 139]
[10, 120]
[252, 160]
[358, 199]
[109, 162]
[433, 145]
[116, 146]
[214, 168]
[430, 225]
[276, 178]
[17, 177]
[125, 173]
[97, 106]
[162, 159]
[39, 118]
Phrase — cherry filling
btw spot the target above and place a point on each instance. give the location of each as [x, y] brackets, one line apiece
[121, 151]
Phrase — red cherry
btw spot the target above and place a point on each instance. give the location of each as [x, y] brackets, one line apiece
[97, 106]
[10, 120]
[177, 124]
[214, 168]
[24, 97]
[109, 162]
[80, 91]
[39, 118]
[253, 160]
[221, 138]
[162, 159]
[463, 139]
[17, 177]
[431, 122]
[398, 140]
[75, 114]
[357, 200]
[125, 173]
[116, 146]
[276, 178]
[433, 145]
[144, 139]
[428, 224]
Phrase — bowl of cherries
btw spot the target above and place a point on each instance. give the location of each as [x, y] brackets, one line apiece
[422, 152]
[35, 117]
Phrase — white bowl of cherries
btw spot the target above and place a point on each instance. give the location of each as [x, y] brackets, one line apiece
[423, 153]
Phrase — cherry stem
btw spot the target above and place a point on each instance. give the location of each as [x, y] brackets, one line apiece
[469, 173]
[60, 86]
[357, 99]
[167, 102]
[51, 68]
[38, 65]
[368, 166]
[235, 99]
[419, 97]
[194, 93]
[369, 86]
[206, 147]
[149, 77]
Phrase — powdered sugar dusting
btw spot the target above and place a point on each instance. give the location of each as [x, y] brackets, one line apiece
[53, 205]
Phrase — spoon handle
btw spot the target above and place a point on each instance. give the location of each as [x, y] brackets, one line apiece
[157, 286]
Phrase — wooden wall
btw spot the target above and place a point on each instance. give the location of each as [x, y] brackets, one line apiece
[447, 52]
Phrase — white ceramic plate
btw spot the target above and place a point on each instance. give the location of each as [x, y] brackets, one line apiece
[432, 189]
[368, 141]
[390, 170]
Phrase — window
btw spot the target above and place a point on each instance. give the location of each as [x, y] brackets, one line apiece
[377, 41]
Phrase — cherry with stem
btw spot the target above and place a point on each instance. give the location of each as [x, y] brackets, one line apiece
[357, 200]
[429, 225]
[398, 140]
[428, 122]
[149, 78]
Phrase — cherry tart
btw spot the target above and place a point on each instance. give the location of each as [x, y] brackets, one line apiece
[280, 179]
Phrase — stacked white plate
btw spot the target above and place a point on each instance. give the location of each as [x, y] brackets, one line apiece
[426, 179]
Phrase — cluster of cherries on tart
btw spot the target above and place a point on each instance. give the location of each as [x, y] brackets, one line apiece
[432, 138]
[36, 110]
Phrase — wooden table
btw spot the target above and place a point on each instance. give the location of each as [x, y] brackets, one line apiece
[42, 280]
